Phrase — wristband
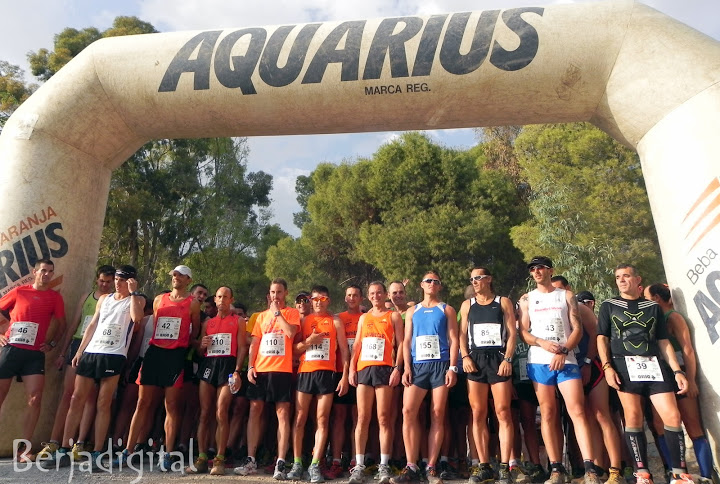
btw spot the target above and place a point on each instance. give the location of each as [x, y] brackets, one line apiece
[466, 356]
[606, 366]
[679, 372]
[251, 367]
[135, 293]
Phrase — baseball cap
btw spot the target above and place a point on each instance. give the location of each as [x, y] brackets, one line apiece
[302, 294]
[540, 261]
[184, 270]
[584, 296]
[126, 272]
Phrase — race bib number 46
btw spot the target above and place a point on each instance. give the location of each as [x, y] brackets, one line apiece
[373, 349]
[273, 344]
[23, 332]
[643, 368]
[167, 328]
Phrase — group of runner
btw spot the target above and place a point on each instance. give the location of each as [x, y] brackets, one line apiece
[494, 360]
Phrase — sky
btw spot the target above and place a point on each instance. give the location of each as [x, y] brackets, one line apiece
[30, 25]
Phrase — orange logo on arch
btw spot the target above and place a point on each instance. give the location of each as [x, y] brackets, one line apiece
[703, 214]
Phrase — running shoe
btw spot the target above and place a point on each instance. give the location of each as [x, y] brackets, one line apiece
[591, 478]
[446, 470]
[384, 474]
[199, 467]
[164, 461]
[218, 468]
[557, 476]
[96, 458]
[357, 474]
[60, 458]
[122, 459]
[643, 478]
[615, 477]
[407, 475]
[474, 475]
[279, 473]
[49, 448]
[248, 468]
[315, 474]
[334, 471]
[682, 479]
[504, 476]
[485, 474]
[433, 476]
[518, 476]
[628, 474]
[296, 472]
[538, 474]
[75, 453]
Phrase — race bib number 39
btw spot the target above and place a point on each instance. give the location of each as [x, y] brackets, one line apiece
[23, 332]
[427, 347]
[643, 368]
[220, 345]
[319, 351]
[273, 344]
[167, 328]
[486, 334]
[373, 349]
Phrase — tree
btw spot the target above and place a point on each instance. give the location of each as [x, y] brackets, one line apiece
[13, 90]
[589, 205]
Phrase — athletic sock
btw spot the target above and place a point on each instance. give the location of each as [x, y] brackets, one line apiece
[676, 447]
[637, 444]
[337, 461]
[663, 448]
[443, 458]
[703, 456]
[202, 455]
[589, 466]
[413, 467]
[384, 459]
[513, 463]
[314, 461]
[252, 459]
[279, 461]
[297, 460]
[475, 462]
[360, 459]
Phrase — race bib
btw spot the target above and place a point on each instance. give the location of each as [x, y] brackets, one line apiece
[373, 349]
[319, 351]
[351, 343]
[272, 344]
[85, 324]
[109, 337]
[554, 331]
[427, 347]
[643, 368]
[220, 345]
[23, 332]
[522, 367]
[487, 334]
[167, 328]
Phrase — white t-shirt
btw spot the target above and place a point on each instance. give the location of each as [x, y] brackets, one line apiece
[114, 328]
[549, 320]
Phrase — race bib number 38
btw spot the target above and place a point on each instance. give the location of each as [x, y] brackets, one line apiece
[273, 344]
[373, 349]
[167, 328]
[643, 368]
[23, 332]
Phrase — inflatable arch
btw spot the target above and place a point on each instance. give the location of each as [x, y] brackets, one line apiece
[648, 80]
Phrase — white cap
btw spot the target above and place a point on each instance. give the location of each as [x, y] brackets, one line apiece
[184, 270]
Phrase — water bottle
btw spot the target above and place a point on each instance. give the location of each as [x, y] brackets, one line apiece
[231, 382]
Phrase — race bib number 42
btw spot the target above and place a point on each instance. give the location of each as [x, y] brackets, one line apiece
[23, 332]
[643, 368]
[167, 328]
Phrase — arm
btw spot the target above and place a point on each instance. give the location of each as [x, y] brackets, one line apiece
[195, 321]
[89, 331]
[397, 322]
[341, 342]
[668, 353]
[603, 347]
[242, 348]
[678, 327]
[254, 345]
[136, 342]
[64, 344]
[451, 315]
[505, 368]
[467, 363]
[577, 329]
[407, 347]
[352, 375]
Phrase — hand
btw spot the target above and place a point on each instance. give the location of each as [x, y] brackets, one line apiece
[206, 341]
[60, 362]
[352, 379]
[46, 348]
[407, 378]
[505, 369]
[450, 378]
[585, 373]
[682, 384]
[549, 346]
[252, 375]
[3, 340]
[235, 387]
[314, 338]
[395, 378]
[132, 284]
[693, 390]
[469, 365]
[342, 386]
[76, 360]
[612, 378]
[558, 362]
[274, 306]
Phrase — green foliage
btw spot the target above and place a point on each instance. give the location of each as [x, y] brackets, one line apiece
[13, 90]
[589, 205]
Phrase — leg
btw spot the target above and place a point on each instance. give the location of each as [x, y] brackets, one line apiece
[324, 407]
[124, 415]
[437, 420]
[64, 405]
[365, 400]
[412, 398]
[666, 406]
[282, 409]
[599, 406]
[173, 399]
[144, 412]
[549, 422]
[690, 412]
[528, 410]
[384, 395]
[502, 395]
[77, 402]
[634, 432]
[224, 397]
[240, 407]
[254, 426]
[88, 414]
[339, 417]
[302, 407]
[572, 392]
[207, 394]
[104, 408]
[478, 395]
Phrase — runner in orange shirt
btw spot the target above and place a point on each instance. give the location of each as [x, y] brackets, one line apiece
[270, 375]
[374, 372]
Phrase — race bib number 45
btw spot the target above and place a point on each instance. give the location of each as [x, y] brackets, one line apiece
[643, 368]
[23, 332]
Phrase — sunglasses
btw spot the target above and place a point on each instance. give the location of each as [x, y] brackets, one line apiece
[302, 300]
[479, 278]
[432, 281]
[319, 298]
[538, 267]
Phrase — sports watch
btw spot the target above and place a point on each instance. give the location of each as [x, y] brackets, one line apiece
[454, 369]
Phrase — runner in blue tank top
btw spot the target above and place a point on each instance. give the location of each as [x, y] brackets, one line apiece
[430, 350]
